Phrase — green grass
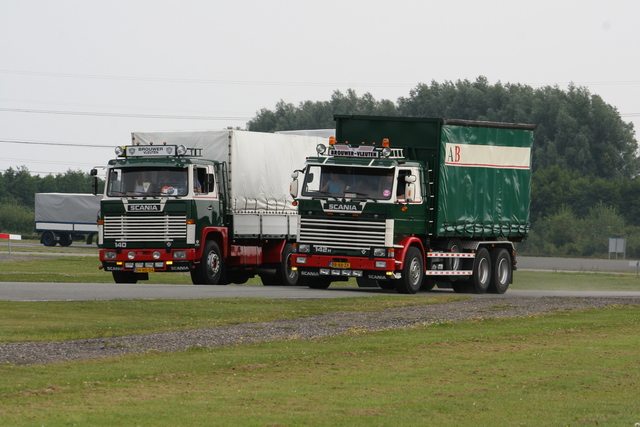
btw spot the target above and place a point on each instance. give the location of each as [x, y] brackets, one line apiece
[566, 369]
[64, 320]
[568, 281]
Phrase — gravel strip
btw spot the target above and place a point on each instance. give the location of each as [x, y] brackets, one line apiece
[25, 353]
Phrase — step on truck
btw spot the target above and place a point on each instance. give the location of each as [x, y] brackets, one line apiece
[411, 203]
[214, 204]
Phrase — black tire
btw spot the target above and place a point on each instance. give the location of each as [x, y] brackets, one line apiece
[210, 271]
[501, 271]
[318, 282]
[481, 272]
[48, 239]
[124, 277]
[367, 283]
[65, 239]
[455, 246]
[412, 273]
[427, 284]
[284, 274]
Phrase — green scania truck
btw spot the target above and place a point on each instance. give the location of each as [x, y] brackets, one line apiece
[410, 203]
[214, 204]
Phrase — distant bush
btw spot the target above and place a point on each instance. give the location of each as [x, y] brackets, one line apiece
[16, 219]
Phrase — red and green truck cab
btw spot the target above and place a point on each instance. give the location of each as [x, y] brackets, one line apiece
[410, 203]
[211, 203]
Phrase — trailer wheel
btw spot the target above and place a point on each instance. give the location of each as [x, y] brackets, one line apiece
[501, 272]
[65, 239]
[453, 246]
[481, 272]
[211, 268]
[48, 239]
[124, 277]
[412, 273]
[427, 284]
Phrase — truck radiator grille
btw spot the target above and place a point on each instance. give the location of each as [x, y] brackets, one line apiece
[145, 228]
[342, 233]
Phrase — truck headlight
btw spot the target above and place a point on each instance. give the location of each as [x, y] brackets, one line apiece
[156, 255]
[301, 260]
[379, 252]
[180, 254]
[131, 254]
[304, 249]
[110, 255]
[381, 264]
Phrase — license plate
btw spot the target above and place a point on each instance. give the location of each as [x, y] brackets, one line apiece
[341, 264]
[144, 270]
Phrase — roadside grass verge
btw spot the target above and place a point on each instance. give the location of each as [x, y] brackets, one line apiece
[578, 368]
[65, 320]
[569, 281]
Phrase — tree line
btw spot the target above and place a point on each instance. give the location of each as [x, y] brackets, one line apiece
[585, 161]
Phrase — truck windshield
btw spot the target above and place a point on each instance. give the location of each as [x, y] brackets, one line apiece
[148, 182]
[351, 182]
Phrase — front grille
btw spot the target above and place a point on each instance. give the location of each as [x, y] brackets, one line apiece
[145, 228]
[342, 233]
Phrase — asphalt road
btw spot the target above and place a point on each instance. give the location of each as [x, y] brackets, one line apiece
[37, 291]
[31, 291]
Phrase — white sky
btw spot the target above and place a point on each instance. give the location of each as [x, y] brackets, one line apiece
[122, 61]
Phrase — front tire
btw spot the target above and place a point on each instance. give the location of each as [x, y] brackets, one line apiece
[48, 238]
[412, 273]
[211, 268]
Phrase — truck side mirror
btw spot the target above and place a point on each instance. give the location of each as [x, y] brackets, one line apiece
[409, 188]
[293, 188]
[94, 181]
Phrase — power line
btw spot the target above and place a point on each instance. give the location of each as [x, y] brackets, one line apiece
[208, 81]
[145, 116]
[51, 143]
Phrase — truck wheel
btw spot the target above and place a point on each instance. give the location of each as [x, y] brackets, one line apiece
[367, 283]
[427, 284]
[65, 239]
[501, 272]
[481, 272]
[412, 273]
[124, 277]
[284, 273]
[48, 239]
[211, 268]
[455, 246]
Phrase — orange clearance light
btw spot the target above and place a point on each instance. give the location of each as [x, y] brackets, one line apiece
[332, 140]
[151, 143]
[404, 208]
[191, 221]
[164, 143]
[385, 142]
[294, 203]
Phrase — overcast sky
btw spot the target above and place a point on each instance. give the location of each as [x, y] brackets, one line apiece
[77, 77]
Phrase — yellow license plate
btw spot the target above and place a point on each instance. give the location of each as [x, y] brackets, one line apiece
[341, 264]
[144, 270]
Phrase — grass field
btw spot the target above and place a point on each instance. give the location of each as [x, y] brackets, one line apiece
[578, 368]
[565, 369]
